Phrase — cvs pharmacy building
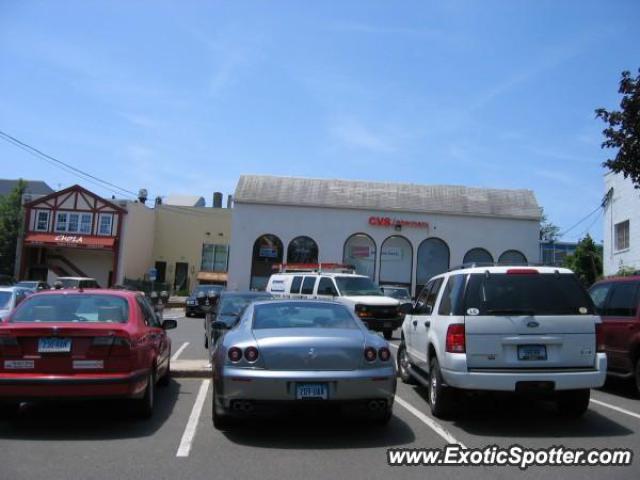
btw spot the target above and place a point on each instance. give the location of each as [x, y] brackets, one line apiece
[401, 234]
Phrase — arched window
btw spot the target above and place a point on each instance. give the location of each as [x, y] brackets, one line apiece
[477, 255]
[267, 251]
[360, 252]
[396, 261]
[433, 259]
[302, 250]
[512, 257]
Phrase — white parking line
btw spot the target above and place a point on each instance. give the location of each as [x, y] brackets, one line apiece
[430, 422]
[393, 345]
[617, 409]
[192, 424]
[179, 351]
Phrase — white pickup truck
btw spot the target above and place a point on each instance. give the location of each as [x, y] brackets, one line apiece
[528, 330]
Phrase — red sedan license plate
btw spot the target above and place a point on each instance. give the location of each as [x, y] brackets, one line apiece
[54, 345]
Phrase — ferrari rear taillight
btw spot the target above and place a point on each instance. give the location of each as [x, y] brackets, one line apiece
[384, 354]
[370, 354]
[235, 354]
[251, 354]
[9, 346]
[600, 343]
[455, 342]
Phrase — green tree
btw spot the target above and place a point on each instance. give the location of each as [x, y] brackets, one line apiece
[549, 231]
[586, 262]
[623, 130]
[10, 227]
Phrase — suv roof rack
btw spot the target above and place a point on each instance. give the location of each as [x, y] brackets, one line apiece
[313, 267]
[496, 264]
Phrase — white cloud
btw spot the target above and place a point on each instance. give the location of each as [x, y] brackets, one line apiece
[354, 134]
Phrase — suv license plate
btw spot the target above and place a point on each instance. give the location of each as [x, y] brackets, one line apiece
[311, 391]
[54, 345]
[532, 352]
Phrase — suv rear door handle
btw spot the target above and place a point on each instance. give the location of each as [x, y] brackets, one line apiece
[415, 323]
[427, 323]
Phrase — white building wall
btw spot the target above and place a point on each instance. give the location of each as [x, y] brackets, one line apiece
[330, 228]
[624, 205]
[136, 242]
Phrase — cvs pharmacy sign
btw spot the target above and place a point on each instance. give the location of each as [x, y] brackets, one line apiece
[389, 222]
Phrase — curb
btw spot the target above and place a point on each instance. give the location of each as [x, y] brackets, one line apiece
[191, 369]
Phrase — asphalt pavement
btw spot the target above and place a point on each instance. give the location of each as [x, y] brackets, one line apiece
[99, 440]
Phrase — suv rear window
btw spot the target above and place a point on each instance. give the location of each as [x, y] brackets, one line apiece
[536, 294]
[89, 308]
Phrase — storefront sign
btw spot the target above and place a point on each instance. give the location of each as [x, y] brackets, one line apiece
[268, 252]
[389, 222]
[68, 239]
[77, 241]
[360, 251]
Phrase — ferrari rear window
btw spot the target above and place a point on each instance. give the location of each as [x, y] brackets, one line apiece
[302, 315]
[81, 308]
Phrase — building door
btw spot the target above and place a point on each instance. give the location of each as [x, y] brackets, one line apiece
[161, 268]
[182, 276]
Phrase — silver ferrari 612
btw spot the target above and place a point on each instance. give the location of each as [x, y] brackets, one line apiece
[300, 352]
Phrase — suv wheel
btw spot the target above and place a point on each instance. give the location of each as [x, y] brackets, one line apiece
[440, 397]
[573, 403]
[388, 334]
[404, 364]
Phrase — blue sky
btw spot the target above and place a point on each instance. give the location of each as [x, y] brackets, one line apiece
[183, 97]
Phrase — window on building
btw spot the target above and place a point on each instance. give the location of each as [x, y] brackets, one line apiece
[85, 222]
[302, 250]
[622, 235]
[62, 221]
[396, 261]
[477, 255]
[105, 224]
[512, 257]
[433, 259]
[267, 251]
[214, 258]
[360, 252]
[73, 226]
[42, 221]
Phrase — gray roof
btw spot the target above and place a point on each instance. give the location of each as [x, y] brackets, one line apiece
[401, 197]
[34, 187]
[184, 200]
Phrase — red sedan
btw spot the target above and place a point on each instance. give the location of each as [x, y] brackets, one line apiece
[84, 344]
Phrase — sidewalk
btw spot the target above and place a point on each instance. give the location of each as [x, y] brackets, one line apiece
[191, 369]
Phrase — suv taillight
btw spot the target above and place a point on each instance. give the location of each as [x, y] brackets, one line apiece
[455, 338]
[600, 345]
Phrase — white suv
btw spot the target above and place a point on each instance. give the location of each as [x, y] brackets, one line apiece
[358, 292]
[529, 330]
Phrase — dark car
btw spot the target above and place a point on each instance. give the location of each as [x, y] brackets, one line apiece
[617, 301]
[34, 285]
[192, 308]
[398, 292]
[230, 308]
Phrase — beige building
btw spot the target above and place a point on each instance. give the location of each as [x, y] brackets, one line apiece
[191, 245]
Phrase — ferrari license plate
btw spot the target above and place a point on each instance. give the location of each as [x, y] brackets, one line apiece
[311, 391]
[532, 352]
[54, 345]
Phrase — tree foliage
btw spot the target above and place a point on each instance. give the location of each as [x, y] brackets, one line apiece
[623, 130]
[586, 262]
[10, 226]
[549, 231]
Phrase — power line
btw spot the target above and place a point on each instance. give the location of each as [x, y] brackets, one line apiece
[65, 166]
[579, 222]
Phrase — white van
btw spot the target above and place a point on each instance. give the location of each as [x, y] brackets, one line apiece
[358, 292]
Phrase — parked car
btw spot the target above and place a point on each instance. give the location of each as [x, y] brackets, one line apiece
[84, 344]
[11, 297]
[512, 329]
[358, 292]
[617, 300]
[34, 285]
[230, 307]
[296, 351]
[78, 282]
[191, 307]
[398, 292]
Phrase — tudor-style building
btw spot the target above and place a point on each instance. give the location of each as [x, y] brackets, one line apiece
[72, 232]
